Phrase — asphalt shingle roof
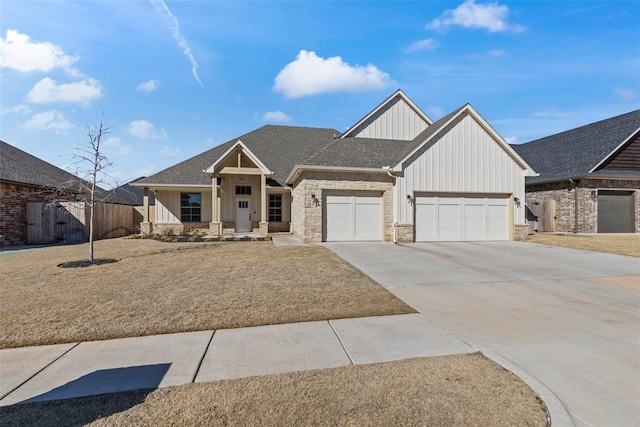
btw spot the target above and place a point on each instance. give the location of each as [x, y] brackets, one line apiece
[575, 152]
[19, 167]
[278, 147]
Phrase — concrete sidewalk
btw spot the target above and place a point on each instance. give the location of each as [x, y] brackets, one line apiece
[95, 367]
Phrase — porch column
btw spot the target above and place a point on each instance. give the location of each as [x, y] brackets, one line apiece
[264, 223]
[145, 225]
[214, 225]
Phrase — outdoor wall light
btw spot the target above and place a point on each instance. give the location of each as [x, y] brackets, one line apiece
[409, 199]
[315, 200]
[516, 200]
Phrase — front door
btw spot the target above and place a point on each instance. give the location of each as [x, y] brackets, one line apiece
[243, 215]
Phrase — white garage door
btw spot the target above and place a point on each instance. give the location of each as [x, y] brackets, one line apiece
[353, 217]
[456, 218]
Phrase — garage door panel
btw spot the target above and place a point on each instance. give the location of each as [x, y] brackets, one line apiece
[461, 218]
[615, 211]
[338, 229]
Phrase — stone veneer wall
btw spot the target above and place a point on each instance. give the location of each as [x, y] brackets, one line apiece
[13, 210]
[564, 194]
[307, 215]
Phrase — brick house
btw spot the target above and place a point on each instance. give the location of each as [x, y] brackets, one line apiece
[395, 175]
[592, 173]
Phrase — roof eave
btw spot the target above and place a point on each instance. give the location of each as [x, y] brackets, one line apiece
[297, 169]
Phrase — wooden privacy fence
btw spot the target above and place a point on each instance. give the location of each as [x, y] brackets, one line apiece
[541, 215]
[68, 222]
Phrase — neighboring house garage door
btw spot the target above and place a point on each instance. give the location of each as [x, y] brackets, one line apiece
[463, 217]
[615, 212]
[353, 217]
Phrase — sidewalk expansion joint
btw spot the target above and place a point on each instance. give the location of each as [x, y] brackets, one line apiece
[204, 354]
[341, 343]
[43, 368]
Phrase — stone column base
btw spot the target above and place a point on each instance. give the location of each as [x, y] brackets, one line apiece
[264, 228]
[145, 227]
[215, 228]
[520, 232]
[404, 233]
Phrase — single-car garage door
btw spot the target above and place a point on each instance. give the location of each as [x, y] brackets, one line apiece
[464, 217]
[353, 217]
[615, 212]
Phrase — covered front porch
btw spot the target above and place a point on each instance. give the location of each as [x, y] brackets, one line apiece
[244, 198]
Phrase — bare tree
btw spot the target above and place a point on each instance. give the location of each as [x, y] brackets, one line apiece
[93, 163]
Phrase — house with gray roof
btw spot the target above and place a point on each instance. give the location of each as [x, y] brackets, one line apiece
[395, 175]
[591, 174]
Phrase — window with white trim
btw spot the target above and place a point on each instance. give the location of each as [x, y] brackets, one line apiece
[190, 207]
[243, 190]
[275, 207]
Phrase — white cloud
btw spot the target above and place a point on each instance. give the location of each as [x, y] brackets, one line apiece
[626, 94]
[550, 112]
[49, 91]
[489, 16]
[435, 112]
[19, 53]
[50, 120]
[169, 152]
[114, 144]
[172, 24]
[145, 130]
[426, 44]
[149, 86]
[276, 116]
[18, 109]
[310, 74]
[511, 139]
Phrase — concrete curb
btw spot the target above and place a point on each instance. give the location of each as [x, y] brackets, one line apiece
[557, 411]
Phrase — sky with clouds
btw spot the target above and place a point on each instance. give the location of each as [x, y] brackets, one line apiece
[175, 78]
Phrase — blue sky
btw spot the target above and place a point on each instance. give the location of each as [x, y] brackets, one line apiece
[175, 78]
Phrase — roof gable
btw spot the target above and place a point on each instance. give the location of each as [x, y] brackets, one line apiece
[431, 133]
[238, 146]
[580, 151]
[397, 117]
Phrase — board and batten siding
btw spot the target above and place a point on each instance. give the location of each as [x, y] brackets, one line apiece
[168, 205]
[398, 121]
[463, 159]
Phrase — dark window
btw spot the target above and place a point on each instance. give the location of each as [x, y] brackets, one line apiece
[190, 207]
[275, 207]
[243, 190]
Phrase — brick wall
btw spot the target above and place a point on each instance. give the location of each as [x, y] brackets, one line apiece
[306, 215]
[564, 193]
[13, 210]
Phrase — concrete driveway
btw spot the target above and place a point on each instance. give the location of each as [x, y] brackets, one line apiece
[566, 318]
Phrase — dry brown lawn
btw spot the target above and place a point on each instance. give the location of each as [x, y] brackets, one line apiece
[461, 390]
[622, 244]
[158, 288]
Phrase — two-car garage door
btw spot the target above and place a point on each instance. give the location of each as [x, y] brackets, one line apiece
[353, 216]
[461, 217]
